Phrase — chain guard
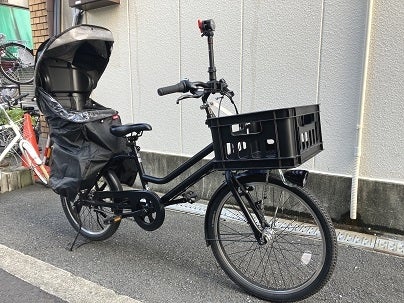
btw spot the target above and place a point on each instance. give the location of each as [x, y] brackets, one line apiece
[154, 211]
[150, 213]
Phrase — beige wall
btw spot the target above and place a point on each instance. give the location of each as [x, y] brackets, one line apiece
[273, 54]
[383, 142]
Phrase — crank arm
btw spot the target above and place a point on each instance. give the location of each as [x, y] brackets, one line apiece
[116, 218]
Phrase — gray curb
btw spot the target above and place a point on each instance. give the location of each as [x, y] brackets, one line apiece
[12, 179]
[382, 244]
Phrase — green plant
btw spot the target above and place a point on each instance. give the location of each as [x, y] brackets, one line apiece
[15, 114]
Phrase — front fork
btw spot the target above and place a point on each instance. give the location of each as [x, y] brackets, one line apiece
[239, 190]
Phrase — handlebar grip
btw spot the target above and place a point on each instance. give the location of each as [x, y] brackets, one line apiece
[180, 87]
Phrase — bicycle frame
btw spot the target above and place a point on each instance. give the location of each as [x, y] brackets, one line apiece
[167, 199]
[16, 130]
[171, 197]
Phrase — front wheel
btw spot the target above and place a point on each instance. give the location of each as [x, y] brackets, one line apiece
[296, 253]
[88, 219]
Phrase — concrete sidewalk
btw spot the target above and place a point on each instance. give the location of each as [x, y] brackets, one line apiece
[43, 282]
[385, 243]
[13, 289]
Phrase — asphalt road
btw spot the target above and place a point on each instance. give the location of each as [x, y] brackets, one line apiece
[171, 264]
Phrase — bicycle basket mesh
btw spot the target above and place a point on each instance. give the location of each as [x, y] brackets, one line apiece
[282, 138]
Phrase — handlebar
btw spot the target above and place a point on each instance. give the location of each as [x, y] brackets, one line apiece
[14, 101]
[26, 107]
[181, 87]
[195, 88]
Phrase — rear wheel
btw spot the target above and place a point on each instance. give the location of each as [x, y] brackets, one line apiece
[90, 220]
[296, 252]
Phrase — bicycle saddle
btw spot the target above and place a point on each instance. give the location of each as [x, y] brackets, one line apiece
[123, 130]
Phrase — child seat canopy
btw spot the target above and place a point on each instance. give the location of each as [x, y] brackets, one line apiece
[83, 47]
[68, 68]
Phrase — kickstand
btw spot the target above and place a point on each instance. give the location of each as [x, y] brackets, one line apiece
[76, 237]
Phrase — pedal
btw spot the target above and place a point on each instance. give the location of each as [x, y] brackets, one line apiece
[190, 196]
[112, 219]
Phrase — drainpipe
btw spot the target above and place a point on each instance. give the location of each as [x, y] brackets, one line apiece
[355, 176]
[56, 16]
[50, 15]
[53, 13]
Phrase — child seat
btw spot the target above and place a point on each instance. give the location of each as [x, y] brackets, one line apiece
[68, 68]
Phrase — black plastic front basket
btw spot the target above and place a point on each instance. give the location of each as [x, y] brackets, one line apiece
[282, 138]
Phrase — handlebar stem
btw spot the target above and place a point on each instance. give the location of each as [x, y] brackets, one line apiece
[212, 68]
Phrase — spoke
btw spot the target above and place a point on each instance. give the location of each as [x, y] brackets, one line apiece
[98, 221]
[251, 255]
[296, 269]
[244, 253]
[243, 235]
[261, 264]
[236, 214]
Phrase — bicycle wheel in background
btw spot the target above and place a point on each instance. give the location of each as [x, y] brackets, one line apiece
[88, 219]
[13, 157]
[298, 254]
[17, 63]
[8, 89]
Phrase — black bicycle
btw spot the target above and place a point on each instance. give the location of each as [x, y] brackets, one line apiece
[267, 232]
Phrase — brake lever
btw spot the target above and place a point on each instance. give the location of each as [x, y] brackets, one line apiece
[224, 90]
[197, 94]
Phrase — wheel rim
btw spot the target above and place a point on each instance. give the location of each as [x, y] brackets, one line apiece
[295, 248]
[88, 218]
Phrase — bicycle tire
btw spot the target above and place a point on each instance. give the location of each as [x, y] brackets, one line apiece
[17, 63]
[291, 265]
[89, 220]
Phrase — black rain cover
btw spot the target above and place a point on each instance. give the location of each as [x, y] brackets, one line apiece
[68, 68]
[82, 144]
